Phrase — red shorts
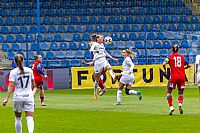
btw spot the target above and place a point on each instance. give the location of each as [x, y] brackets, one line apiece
[38, 83]
[179, 82]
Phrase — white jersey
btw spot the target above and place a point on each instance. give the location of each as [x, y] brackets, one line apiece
[23, 84]
[127, 66]
[198, 62]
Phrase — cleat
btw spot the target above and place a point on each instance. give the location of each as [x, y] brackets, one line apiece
[117, 104]
[171, 110]
[43, 104]
[95, 96]
[180, 109]
[103, 91]
[139, 95]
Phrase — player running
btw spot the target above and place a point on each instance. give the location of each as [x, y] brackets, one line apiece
[127, 76]
[100, 62]
[23, 80]
[39, 73]
[177, 64]
[197, 71]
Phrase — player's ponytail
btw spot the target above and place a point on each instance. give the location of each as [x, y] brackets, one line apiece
[19, 62]
[131, 53]
[175, 48]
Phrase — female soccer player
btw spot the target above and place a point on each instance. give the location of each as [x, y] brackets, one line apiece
[127, 76]
[38, 72]
[23, 80]
[197, 71]
[100, 62]
[178, 64]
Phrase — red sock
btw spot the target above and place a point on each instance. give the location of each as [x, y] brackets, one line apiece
[41, 99]
[180, 99]
[169, 99]
[101, 84]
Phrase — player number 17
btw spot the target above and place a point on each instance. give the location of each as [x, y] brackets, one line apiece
[177, 61]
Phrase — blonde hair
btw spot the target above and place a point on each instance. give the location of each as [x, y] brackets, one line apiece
[130, 53]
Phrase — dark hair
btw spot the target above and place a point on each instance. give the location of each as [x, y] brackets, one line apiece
[175, 48]
[19, 60]
[94, 37]
[36, 56]
[97, 36]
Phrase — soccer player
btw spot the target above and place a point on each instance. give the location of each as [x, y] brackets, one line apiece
[127, 78]
[23, 80]
[39, 73]
[177, 64]
[100, 62]
[197, 70]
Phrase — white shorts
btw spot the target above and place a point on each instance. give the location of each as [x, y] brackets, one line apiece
[20, 106]
[100, 66]
[198, 79]
[127, 79]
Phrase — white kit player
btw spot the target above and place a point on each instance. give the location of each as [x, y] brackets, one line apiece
[23, 98]
[100, 62]
[127, 76]
[197, 70]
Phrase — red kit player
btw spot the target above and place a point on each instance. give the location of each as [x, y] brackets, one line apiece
[177, 64]
[39, 73]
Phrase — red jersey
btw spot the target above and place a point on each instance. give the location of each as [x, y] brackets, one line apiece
[177, 63]
[37, 74]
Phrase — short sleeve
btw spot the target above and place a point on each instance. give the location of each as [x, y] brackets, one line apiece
[12, 76]
[32, 76]
[197, 59]
[167, 59]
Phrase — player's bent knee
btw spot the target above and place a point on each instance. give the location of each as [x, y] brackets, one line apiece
[127, 91]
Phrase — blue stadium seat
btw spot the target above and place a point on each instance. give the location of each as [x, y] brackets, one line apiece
[156, 19]
[108, 28]
[123, 12]
[190, 27]
[144, 28]
[14, 30]
[147, 19]
[157, 44]
[177, 11]
[79, 55]
[60, 55]
[55, 64]
[88, 55]
[151, 60]
[167, 45]
[5, 30]
[194, 19]
[172, 27]
[165, 19]
[180, 27]
[160, 36]
[40, 37]
[191, 52]
[42, 54]
[58, 37]
[68, 37]
[2, 38]
[163, 27]
[185, 44]
[139, 45]
[175, 42]
[74, 20]
[120, 20]
[154, 27]
[174, 19]
[23, 30]
[102, 20]
[86, 37]
[30, 38]
[110, 46]
[143, 53]
[70, 28]
[114, 36]
[183, 19]
[24, 47]
[90, 28]
[10, 55]
[179, 36]
[92, 20]
[65, 21]
[126, 28]
[56, 20]
[133, 36]
[99, 28]
[120, 45]
[84, 20]
[63, 46]
[163, 53]
[111, 20]
[149, 44]
[73, 46]
[151, 36]
[186, 11]
[77, 37]
[10, 39]
[141, 11]
[31, 56]
[18, 21]
[129, 44]
[75, 63]
[136, 28]
[61, 29]
[183, 52]
[43, 29]
[123, 37]
[34, 47]
[169, 35]
[1, 21]
[138, 20]
[142, 36]
[117, 53]
[197, 27]
[80, 28]
[129, 20]
[83, 46]
[137, 53]
[52, 29]
[54, 46]
[65, 63]
[159, 11]
[44, 47]
[5, 47]
[50, 55]
[20, 38]
[33, 30]
[142, 61]
[9, 21]
[45, 63]
[70, 55]
[114, 11]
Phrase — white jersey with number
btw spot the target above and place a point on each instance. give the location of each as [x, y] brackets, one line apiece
[23, 84]
[101, 51]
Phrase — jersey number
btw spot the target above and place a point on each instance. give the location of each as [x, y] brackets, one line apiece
[177, 61]
[22, 81]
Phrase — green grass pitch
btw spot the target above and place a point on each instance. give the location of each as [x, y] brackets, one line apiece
[74, 111]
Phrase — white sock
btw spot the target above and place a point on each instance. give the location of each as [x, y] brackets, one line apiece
[119, 95]
[95, 86]
[18, 124]
[112, 74]
[30, 124]
[132, 92]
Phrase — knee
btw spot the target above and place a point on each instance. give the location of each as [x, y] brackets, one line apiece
[127, 91]
[168, 95]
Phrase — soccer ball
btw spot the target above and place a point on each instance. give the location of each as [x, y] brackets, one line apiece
[107, 40]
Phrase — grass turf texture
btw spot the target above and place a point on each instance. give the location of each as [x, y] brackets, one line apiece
[74, 111]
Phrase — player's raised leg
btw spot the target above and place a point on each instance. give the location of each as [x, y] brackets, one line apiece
[128, 91]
